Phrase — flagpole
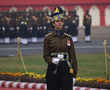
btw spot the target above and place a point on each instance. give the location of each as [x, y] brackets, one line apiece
[106, 61]
[19, 53]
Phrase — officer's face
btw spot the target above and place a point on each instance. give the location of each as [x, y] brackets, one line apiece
[58, 24]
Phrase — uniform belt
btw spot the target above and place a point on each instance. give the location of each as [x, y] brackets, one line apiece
[60, 55]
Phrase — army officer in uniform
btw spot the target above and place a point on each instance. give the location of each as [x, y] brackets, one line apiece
[59, 54]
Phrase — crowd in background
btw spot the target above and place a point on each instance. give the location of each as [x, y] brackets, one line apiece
[33, 25]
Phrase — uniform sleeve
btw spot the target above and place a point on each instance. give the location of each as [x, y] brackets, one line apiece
[46, 53]
[73, 58]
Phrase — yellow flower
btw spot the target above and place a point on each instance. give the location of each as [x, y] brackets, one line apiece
[78, 79]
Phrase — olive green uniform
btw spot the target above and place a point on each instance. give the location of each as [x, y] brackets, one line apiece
[62, 78]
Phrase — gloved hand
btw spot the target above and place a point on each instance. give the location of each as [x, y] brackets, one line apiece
[55, 60]
[17, 27]
[74, 79]
[3, 28]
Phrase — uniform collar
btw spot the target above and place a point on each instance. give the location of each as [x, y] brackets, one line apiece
[55, 34]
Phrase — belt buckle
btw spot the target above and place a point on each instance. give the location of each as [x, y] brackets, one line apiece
[60, 55]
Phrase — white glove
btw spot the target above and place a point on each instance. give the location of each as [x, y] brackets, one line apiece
[17, 27]
[55, 60]
[60, 56]
[3, 28]
[74, 81]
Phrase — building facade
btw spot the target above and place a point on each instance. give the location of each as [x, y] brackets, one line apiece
[99, 9]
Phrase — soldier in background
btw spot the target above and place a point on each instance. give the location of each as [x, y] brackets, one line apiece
[47, 22]
[12, 26]
[40, 25]
[2, 31]
[87, 24]
[75, 24]
[5, 27]
[23, 29]
[18, 22]
[34, 28]
[68, 23]
[28, 19]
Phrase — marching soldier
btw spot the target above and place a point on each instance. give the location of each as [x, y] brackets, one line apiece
[59, 54]
[75, 24]
[87, 24]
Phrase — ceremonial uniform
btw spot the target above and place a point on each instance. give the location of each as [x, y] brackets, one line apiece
[5, 28]
[34, 29]
[87, 24]
[12, 27]
[23, 31]
[2, 31]
[59, 54]
[75, 24]
[69, 25]
[66, 25]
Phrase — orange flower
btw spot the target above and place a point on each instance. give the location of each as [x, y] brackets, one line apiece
[107, 81]
[100, 80]
[18, 74]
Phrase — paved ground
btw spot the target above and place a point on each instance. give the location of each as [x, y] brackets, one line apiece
[96, 46]
[99, 34]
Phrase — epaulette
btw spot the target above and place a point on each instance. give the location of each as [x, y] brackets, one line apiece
[48, 34]
[68, 35]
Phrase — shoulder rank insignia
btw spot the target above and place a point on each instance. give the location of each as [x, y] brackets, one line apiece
[67, 35]
[48, 34]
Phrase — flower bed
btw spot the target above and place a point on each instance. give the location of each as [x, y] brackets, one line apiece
[40, 78]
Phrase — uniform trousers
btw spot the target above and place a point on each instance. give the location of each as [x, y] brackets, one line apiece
[87, 30]
[62, 79]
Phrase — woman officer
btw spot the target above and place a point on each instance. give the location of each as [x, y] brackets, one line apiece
[59, 54]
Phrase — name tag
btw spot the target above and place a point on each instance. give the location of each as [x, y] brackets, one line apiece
[68, 43]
